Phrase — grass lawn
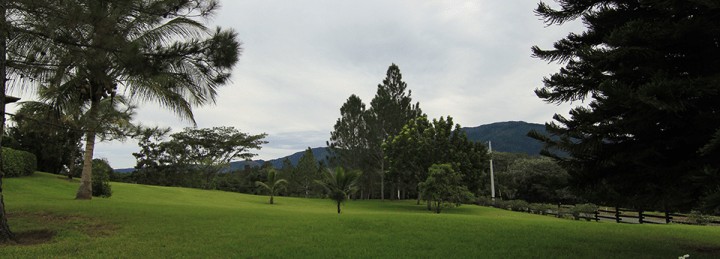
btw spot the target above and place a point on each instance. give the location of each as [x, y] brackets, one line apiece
[150, 221]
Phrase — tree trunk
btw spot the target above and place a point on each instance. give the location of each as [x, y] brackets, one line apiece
[85, 190]
[382, 181]
[5, 234]
[271, 199]
[419, 196]
[338, 205]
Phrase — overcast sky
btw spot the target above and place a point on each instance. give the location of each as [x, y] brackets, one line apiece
[301, 60]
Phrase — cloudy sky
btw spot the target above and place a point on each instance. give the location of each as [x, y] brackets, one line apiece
[302, 59]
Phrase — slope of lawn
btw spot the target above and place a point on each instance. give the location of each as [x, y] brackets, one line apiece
[150, 221]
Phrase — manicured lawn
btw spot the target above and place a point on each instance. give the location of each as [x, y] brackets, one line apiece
[149, 221]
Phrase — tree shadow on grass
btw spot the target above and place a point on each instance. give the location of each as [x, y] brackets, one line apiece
[34, 237]
[55, 223]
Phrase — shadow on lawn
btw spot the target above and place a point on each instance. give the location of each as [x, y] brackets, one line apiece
[56, 223]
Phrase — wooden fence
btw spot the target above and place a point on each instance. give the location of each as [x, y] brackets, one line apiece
[631, 216]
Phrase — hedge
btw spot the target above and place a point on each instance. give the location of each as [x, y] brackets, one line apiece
[18, 163]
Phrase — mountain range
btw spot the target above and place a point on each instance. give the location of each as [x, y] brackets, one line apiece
[508, 136]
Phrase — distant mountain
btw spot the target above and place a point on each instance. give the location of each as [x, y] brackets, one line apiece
[320, 153]
[509, 136]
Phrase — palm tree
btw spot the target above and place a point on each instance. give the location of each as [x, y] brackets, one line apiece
[340, 184]
[65, 116]
[273, 185]
[151, 50]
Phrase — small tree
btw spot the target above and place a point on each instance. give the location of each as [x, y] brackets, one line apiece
[273, 185]
[101, 178]
[444, 188]
[340, 184]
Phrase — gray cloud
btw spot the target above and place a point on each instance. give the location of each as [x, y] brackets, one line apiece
[302, 59]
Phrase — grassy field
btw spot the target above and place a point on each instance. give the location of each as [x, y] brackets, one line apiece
[150, 221]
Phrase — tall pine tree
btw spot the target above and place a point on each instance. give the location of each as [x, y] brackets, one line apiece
[649, 74]
[390, 110]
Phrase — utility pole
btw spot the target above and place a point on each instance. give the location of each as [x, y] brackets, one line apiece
[492, 174]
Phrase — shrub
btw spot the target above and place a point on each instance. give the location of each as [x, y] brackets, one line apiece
[18, 163]
[586, 209]
[696, 217]
[518, 205]
[541, 208]
[484, 201]
[101, 178]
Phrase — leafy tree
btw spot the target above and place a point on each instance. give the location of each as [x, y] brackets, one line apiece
[49, 134]
[190, 153]
[101, 178]
[305, 174]
[410, 153]
[648, 73]
[444, 188]
[537, 179]
[422, 143]
[339, 184]
[210, 150]
[273, 184]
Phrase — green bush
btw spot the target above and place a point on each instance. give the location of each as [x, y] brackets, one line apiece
[541, 208]
[696, 217]
[18, 163]
[101, 178]
[587, 209]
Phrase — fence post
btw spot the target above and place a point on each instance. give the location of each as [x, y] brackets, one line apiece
[667, 217]
[617, 214]
[557, 215]
[640, 216]
[597, 215]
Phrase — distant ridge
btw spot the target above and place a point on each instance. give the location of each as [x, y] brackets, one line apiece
[508, 136]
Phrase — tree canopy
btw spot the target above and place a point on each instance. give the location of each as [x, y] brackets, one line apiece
[648, 74]
[359, 134]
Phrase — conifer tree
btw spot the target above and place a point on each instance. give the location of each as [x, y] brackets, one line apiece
[648, 73]
[390, 110]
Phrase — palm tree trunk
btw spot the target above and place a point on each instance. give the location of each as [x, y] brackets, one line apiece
[85, 190]
[271, 199]
[5, 234]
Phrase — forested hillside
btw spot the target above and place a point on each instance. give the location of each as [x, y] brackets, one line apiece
[508, 136]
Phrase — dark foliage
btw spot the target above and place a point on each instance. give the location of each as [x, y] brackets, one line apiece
[648, 72]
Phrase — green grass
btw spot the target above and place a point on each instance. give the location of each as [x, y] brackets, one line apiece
[149, 221]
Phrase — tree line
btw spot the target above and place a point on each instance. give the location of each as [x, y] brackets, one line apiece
[395, 145]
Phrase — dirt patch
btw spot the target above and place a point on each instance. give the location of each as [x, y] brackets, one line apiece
[34, 237]
[86, 225]
[707, 250]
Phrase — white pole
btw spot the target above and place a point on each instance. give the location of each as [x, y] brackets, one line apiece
[492, 174]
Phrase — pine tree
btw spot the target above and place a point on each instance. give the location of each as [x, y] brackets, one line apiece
[390, 110]
[306, 173]
[649, 73]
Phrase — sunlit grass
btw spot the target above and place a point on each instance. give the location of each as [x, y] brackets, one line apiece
[150, 221]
